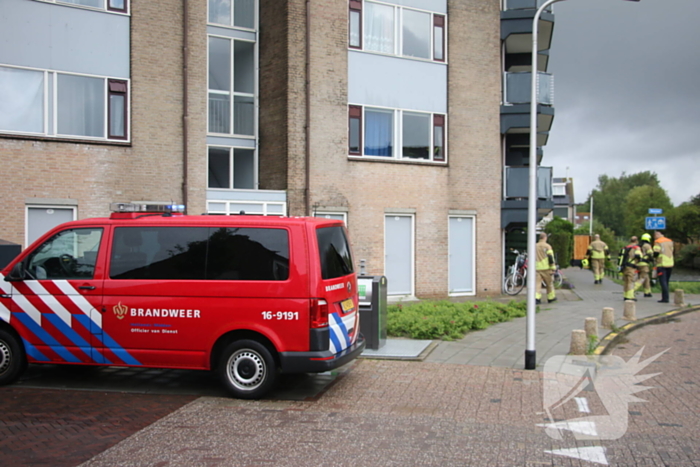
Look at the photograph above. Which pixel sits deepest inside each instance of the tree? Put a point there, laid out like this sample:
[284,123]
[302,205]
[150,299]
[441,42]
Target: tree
[637,204]
[610,195]
[561,237]
[683,222]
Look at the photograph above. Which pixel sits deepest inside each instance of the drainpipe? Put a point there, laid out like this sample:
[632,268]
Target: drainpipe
[185,103]
[307,92]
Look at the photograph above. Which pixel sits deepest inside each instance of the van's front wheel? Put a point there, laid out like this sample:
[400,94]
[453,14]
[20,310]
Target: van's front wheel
[247,369]
[12,358]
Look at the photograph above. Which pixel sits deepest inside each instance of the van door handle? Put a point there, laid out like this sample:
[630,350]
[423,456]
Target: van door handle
[87,287]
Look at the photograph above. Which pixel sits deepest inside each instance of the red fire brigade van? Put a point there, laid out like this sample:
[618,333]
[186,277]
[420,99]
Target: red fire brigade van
[247,296]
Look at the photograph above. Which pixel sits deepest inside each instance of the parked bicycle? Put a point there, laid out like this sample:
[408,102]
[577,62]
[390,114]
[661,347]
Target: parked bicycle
[516,279]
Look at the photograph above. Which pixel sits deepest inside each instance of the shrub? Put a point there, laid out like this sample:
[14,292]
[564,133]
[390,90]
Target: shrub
[448,320]
[688,255]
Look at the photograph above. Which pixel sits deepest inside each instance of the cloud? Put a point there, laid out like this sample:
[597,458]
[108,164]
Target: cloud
[626,93]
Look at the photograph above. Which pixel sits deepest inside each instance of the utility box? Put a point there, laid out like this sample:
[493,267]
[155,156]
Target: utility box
[373,310]
[8,252]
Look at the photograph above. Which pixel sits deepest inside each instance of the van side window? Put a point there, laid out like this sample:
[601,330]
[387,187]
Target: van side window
[199,253]
[70,254]
[248,254]
[334,252]
[158,253]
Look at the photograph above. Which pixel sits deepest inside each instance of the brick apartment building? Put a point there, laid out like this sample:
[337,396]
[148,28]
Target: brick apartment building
[402,117]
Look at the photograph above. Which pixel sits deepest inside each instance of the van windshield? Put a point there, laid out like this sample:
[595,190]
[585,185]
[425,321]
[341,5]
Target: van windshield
[334,252]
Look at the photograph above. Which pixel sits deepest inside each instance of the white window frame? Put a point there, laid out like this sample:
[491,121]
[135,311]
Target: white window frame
[397,136]
[229,211]
[232,94]
[231,168]
[50,102]
[326,214]
[398,33]
[105,9]
[256,13]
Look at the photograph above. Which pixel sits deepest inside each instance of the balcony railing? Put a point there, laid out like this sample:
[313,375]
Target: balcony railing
[525,5]
[517,182]
[517,88]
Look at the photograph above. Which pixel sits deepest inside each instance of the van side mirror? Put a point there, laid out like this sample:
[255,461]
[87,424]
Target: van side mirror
[18,273]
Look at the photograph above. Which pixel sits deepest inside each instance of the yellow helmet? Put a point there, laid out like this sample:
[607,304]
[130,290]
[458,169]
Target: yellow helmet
[646,237]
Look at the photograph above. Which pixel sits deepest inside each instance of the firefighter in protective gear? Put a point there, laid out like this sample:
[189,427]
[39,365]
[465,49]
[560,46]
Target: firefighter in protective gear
[663,252]
[645,264]
[598,252]
[632,256]
[545,267]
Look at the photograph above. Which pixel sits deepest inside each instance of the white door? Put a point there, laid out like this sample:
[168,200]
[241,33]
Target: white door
[41,219]
[461,262]
[398,254]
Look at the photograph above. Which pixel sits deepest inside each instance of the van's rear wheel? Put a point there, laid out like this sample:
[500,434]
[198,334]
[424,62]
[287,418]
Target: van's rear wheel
[12,358]
[247,369]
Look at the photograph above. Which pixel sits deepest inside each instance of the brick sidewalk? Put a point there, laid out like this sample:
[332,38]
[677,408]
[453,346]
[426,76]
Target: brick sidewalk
[433,414]
[64,428]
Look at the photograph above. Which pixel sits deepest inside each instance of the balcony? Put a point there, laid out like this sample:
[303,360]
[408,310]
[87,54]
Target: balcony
[526,5]
[516,192]
[517,88]
[516,32]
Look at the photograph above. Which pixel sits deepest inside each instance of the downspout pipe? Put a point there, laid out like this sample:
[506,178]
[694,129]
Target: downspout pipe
[185,99]
[307,123]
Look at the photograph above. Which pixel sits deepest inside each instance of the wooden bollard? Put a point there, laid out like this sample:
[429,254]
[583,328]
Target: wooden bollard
[678,298]
[630,313]
[591,327]
[578,342]
[608,318]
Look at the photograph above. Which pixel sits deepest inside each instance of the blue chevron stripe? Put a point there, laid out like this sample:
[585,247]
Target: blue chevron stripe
[34,352]
[46,338]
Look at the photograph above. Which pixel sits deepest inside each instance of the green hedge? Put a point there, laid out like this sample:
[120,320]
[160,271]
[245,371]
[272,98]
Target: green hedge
[448,320]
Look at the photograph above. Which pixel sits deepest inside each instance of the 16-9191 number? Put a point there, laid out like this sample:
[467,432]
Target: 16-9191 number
[281,315]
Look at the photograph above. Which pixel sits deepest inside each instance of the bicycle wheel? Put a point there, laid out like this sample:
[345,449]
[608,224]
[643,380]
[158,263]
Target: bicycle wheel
[514,283]
[557,279]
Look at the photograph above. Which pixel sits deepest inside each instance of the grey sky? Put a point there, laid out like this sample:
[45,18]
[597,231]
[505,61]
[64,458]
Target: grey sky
[626,93]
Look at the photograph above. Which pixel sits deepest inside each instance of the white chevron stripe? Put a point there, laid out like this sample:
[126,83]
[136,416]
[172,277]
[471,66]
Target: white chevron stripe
[26,306]
[4,313]
[6,287]
[80,301]
[50,301]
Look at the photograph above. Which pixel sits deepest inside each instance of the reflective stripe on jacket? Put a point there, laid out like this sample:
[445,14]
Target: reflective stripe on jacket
[647,255]
[664,247]
[598,250]
[545,256]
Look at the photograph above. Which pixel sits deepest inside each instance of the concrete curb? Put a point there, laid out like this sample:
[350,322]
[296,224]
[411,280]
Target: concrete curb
[613,338]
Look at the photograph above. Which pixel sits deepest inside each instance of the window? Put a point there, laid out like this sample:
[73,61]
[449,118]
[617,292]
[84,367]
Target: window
[118,6]
[232,13]
[82,106]
[200,253]
[231,168]
[355,26]
[396,30]
[117,109]
[334,252]
[70,254]
[231,86]
[373,133]
[559,190]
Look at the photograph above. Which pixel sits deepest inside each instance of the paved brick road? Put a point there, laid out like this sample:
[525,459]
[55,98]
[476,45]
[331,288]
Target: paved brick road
[64,428]
[386,413]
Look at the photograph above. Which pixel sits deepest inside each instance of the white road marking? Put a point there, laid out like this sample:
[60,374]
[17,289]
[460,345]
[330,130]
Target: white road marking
[594,454]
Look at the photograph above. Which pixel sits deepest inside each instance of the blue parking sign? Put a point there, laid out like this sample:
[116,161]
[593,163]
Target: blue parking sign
[655,223]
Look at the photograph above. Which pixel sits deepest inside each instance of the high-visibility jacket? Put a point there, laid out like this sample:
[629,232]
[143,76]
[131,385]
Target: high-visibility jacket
[598,250]
[663,251]
[647,255]
[545,256]
[633,255]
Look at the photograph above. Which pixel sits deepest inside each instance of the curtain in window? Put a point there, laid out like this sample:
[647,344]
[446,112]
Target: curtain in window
[379,28]
[21,100]
[81,106]
[378,132]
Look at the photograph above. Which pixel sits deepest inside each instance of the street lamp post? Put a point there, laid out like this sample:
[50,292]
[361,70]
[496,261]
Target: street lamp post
[530,356]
